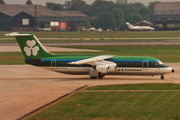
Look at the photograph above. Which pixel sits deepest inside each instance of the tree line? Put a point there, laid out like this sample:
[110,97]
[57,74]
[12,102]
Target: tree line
[105,14]
[108,14]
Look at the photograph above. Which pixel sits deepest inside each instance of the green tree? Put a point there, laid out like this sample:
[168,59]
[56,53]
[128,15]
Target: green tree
[29,2]
[74,26]
[94,21]
[151,5]
[144,12]
[67,5]
[87,24]
[151,9]
[129,9]
[134,18]
[81,24]
[119,16]
[104,20]
[81,6]
[2,2]
[54,6]
[122,1]
[139,5]
[100,6]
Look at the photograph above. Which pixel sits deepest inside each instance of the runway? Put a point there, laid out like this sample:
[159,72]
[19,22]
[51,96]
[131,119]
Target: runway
[123,42]
[24,88]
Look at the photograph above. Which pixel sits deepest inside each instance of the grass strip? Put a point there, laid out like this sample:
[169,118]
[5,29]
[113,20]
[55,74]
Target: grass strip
[154,105]
[103,34]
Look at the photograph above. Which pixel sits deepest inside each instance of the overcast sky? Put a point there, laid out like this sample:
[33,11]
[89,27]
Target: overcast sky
[43,2]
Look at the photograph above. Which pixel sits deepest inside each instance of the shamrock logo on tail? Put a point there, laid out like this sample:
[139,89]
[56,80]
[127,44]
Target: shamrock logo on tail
[31,48]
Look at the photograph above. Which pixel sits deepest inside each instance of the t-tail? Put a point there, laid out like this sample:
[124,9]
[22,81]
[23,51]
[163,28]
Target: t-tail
[30,45]
[129,25]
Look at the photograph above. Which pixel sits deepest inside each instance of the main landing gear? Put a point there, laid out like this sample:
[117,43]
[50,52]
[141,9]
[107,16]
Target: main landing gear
[94,74]
[162,77]
[100,76]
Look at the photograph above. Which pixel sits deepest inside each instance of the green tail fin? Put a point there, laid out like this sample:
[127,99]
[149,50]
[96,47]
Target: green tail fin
[30,45]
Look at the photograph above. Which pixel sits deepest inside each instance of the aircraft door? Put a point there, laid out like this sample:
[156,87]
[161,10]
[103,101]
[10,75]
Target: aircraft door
[145,64]
[53,64]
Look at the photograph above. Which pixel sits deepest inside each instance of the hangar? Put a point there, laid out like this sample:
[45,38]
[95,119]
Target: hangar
[144,23]
[167,16]
[30,17]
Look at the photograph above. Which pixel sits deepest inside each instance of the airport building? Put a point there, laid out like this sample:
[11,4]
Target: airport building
[167,16]
[144,23]
[31,17]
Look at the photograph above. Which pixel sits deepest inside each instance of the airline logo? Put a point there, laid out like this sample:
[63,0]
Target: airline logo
[31,49]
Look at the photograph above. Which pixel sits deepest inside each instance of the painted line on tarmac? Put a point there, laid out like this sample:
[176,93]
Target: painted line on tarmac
[10,87]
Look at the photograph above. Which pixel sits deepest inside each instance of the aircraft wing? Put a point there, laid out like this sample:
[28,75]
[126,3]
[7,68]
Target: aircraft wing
[92,60]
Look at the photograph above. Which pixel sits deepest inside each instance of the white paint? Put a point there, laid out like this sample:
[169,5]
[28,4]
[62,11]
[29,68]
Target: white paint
[31,47]
[83,70]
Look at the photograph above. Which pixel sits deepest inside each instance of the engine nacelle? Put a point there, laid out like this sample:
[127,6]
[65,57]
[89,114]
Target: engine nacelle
[102,68]
[112,67]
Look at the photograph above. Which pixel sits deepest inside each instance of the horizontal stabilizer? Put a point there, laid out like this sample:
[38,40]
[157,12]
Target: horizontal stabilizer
[17,34]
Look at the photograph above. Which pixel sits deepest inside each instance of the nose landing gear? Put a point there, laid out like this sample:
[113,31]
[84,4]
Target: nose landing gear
[162,77]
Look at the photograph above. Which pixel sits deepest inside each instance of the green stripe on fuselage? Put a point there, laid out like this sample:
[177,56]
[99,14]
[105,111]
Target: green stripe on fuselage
[121,61]
[114,57]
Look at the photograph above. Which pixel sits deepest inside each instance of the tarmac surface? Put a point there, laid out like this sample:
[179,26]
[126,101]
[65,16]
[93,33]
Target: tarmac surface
[12,48]
[24,88]
[124,42]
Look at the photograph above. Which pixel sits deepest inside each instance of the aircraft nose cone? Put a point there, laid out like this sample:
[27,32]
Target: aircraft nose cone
[173,70]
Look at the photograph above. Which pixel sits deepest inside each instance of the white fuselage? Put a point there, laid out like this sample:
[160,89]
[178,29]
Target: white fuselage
[139,28]
[119,70]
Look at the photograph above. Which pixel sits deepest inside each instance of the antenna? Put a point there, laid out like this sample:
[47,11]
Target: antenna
[35,21]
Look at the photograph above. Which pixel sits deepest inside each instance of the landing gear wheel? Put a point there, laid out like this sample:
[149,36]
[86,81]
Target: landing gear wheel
[162,77]
[100,76]
[93,77]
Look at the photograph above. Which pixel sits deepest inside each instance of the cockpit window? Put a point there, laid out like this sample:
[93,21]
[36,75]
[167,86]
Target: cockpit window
[160,62]
[157,63]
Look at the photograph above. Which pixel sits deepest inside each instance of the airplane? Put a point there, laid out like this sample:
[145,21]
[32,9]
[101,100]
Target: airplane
[139,28]
[96,66]
[92,29]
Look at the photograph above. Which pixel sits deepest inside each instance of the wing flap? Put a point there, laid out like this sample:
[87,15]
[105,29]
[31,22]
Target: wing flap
[91,60]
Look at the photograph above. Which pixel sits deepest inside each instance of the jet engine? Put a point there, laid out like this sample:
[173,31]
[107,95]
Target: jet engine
[112,67]
[105,66]
[102,68]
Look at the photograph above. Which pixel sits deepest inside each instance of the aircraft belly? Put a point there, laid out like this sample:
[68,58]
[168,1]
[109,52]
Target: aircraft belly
[72,70]
[119,70]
